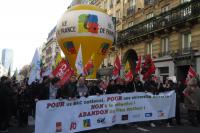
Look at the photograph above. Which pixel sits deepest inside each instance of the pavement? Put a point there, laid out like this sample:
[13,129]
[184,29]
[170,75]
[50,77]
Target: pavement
[186,128]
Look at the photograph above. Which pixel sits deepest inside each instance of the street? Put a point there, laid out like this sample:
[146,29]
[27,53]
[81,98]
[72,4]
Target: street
[186,128]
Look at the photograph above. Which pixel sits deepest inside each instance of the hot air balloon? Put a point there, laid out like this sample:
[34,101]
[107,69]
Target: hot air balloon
[89,27]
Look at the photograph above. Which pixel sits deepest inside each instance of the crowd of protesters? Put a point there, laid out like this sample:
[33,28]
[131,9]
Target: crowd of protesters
[18,99]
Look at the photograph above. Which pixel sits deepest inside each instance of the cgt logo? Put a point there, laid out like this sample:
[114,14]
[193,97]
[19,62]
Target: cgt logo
[161,113]
[148,114]
[73,126]
[86,123]
[101,120]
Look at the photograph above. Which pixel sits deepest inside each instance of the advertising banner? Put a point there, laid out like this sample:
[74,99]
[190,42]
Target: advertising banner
[62,116]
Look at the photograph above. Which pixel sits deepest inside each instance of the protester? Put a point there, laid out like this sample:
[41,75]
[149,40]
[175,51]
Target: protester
[111,89]
[137,84]
[44,88]
[150,85]
[68,90]
[82,89]
[23,105]
[168,86]
[94,89]
[192,101]
[53,88]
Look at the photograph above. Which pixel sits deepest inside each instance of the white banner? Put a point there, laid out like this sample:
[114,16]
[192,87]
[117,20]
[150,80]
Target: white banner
[62,116]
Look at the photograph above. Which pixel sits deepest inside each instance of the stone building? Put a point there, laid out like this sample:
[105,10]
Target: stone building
[168,30]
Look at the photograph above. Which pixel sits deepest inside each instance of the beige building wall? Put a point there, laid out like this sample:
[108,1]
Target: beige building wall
[142,12]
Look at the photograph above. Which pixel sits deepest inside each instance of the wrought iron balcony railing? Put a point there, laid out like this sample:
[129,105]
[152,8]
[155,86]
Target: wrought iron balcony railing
[165,53]
[178,15]
[185,51]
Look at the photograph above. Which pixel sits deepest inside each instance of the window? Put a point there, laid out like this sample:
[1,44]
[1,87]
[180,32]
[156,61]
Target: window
[149,2]
[165,44]
[165,9]
[183,1]
[149,49]
[150,15]
[149,24]
[130,24]
[131,3]
[164,73]
[186,40]
[118,15]
[105,5]
[111,4]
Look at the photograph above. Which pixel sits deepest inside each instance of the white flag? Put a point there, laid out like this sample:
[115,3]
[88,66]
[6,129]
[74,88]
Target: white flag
[35,68]
[79,61]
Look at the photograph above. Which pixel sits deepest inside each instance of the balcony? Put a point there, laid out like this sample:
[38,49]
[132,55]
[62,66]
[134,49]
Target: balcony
[179,15]
[185,51]
[131,11]
[165,53]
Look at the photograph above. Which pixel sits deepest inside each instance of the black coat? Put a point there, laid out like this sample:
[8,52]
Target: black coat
[94,90]
[111,89]
[150,86]
[5,101]
[44,91]
[139,86]
[68,90]
[24,101]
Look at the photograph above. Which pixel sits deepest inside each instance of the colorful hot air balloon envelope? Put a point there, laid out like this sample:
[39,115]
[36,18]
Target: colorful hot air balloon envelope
[90,27]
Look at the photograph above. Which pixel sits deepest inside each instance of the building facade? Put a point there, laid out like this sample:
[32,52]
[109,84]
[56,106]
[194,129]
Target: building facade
[168,30]
[7,59]
[50,49]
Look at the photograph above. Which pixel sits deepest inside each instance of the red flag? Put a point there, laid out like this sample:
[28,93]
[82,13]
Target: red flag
[149,67]
[138,67]
[117,68]
[191,73]
[117,63]
[63,71]
[129,75]
[88,69]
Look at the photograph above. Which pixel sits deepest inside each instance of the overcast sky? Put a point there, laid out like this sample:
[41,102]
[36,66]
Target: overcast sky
[25,24]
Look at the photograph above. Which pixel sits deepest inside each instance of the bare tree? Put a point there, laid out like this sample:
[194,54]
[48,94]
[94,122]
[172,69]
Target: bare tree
[25,70]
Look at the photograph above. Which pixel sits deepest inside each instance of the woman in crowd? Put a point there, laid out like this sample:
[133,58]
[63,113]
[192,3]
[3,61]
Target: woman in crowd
[192,101]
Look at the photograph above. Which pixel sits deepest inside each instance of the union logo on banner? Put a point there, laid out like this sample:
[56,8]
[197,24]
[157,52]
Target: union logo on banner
[58,127]
[86,123]
[73,126]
